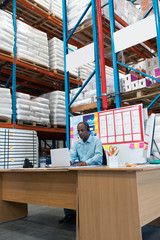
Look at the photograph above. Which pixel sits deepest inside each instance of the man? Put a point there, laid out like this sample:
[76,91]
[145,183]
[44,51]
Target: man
[88,150]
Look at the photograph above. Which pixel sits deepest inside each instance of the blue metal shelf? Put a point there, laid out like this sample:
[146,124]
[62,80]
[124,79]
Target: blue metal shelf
[66,38]
[114,55]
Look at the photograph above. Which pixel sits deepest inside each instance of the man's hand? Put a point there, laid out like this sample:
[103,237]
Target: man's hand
[81,164]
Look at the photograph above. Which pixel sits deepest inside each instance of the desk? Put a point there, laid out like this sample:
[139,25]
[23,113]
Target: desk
[111,204]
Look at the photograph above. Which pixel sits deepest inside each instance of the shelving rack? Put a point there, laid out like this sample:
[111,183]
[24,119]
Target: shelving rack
[34,78]
[133,54]
[116,63]
[66,37]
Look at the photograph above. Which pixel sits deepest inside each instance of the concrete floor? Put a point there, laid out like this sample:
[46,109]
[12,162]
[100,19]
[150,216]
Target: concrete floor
[43,224]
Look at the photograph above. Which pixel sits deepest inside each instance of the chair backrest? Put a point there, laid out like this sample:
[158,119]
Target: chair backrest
[104,161]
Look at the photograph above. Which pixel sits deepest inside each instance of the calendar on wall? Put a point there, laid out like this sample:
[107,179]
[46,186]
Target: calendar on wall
[122,125]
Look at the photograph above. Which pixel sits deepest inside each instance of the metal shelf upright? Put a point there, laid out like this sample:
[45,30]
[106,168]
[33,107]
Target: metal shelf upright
[14,67]
[114,54]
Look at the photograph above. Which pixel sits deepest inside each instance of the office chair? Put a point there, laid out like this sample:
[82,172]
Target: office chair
[104,161]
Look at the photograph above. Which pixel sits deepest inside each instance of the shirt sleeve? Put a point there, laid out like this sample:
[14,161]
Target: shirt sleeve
[73,153]
[97,158]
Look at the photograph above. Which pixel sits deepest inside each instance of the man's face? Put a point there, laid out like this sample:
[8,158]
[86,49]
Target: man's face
[82,131]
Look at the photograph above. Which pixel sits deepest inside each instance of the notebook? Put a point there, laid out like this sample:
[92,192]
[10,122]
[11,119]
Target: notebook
[60,157]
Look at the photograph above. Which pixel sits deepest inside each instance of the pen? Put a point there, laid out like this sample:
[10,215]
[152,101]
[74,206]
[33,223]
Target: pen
[131,165]
[117,153]
[108,154]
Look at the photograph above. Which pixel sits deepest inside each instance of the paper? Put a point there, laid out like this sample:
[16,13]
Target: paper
[122,125]
[103,139]
[131,146]
[105,147]
[127,122]
[141,145]
[103,129]
[110,125]
[108,147]
[135,121]
[136,145]
[118,123]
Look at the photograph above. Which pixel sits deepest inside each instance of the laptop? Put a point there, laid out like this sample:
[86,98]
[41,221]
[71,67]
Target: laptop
[60,157]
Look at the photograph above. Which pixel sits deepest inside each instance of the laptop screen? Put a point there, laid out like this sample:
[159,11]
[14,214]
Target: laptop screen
[60,157]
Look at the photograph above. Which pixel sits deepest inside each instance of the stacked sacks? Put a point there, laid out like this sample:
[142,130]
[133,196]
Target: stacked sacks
[40,110]
[125,9]
[6,31]
[5,103]
[57,107]
[56,55]
[75,9]
[32,44]
[56,8]
[23,103]
[44,3]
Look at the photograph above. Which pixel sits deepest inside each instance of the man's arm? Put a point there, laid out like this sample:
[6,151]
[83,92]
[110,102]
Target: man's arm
[97,158]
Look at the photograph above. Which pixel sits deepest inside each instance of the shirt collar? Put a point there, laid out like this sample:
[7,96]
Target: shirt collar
[88,140]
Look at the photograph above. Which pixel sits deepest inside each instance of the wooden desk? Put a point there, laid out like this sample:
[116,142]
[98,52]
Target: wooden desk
[37,186]
[111,204]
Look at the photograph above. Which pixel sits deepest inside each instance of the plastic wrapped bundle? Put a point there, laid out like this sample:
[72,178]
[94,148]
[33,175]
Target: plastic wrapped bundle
[57,107]
[23,103]
[56,8]
[40,110]
[32,44]
[44,3]
[5,103]
[6,31]
[75,9]
[56,55]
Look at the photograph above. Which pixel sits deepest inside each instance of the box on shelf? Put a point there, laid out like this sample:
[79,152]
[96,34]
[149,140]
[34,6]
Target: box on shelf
[135,85]
[144,82]
[130,78]
[157,72]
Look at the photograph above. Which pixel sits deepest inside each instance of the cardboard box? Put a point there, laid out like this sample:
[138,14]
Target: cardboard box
[144,82]
[130,78]
[135,85]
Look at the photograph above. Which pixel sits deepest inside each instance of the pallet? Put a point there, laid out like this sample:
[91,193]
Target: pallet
[51,27]
[5,120]
[6,53]
[26,123]
[27,61]
[43,125]
[39,6]
[58,126]
[85,108]
[55,17]
[57,71]
[144,95]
